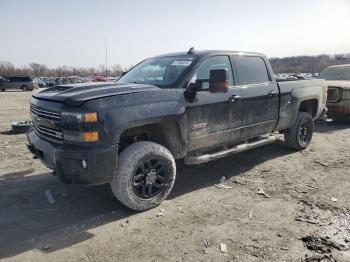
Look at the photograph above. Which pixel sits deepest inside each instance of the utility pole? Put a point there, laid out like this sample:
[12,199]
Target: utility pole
[106,74]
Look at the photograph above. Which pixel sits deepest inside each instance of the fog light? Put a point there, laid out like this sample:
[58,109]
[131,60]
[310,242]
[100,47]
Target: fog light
[83,163]
[91,136]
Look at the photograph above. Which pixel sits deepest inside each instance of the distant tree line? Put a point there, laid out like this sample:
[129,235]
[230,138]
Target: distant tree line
[307,64]
[41,70]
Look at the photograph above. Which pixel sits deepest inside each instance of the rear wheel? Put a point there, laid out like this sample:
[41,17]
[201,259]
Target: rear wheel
[24,88]
[145,175]
[300,134]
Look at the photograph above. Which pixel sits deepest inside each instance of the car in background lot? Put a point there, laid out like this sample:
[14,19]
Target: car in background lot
[112,79]
[39,82]
[68,80]
[338,100]
[75,80]
[49,81]
[25,83]
[99,79]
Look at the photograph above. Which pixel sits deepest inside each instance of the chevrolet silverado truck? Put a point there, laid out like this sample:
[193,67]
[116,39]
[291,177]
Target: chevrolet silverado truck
[338,99]
[197,106]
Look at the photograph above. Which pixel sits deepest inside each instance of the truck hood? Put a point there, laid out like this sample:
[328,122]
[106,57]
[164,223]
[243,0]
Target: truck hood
[76,94]
[342,84]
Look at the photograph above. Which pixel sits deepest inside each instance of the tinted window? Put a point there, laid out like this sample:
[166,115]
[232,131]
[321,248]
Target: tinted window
[216,62]
[251,70]
[20,79]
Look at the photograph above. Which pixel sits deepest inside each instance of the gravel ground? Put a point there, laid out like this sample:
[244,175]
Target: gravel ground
[304,214]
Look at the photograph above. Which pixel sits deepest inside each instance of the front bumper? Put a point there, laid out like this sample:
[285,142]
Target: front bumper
[341,109]
[324,113]
[67,162]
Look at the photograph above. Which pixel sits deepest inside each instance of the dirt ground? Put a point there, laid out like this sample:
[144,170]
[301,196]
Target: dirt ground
[304,215]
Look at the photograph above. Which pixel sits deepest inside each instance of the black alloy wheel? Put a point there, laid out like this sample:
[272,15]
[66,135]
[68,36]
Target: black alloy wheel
[150,178]
[305,133]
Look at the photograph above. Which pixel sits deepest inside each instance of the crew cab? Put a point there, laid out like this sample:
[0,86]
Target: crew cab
[197,106]
[338,99]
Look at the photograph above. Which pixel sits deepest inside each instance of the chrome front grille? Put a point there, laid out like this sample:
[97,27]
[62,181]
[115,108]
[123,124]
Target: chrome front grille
[48,132]
[44,113]
[46,123]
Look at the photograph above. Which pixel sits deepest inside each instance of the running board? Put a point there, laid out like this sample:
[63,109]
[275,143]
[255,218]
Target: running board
[195,160]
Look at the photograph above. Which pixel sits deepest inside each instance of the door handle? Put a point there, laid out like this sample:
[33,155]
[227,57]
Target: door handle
[272,93]
[235,98]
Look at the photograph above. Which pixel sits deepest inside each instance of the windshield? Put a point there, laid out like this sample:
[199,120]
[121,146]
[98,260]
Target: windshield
[160,71]
[336,73]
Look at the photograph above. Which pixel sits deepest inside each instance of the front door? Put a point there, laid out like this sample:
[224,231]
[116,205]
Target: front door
[209,113]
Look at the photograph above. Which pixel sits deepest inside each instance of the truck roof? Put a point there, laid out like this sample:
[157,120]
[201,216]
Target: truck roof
[208,52]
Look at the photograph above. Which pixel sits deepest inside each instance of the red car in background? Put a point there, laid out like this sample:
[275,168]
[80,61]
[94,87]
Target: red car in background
[99,79]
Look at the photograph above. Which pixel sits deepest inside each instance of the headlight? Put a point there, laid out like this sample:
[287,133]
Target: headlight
[79,127]
[69,117]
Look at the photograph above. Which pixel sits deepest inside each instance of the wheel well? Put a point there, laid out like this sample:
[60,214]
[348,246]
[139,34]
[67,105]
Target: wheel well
[166,134]
[309,106]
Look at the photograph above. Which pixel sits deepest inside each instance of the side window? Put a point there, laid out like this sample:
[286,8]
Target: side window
[251,70]
[216,62]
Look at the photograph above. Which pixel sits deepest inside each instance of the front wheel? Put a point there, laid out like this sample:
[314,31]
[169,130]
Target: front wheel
[300,134]
[145,175]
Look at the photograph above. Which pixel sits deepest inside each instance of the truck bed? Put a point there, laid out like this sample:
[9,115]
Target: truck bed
[293,93]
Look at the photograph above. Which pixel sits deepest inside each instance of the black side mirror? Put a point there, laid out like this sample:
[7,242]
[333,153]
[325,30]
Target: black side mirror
[124,73]
[194,87]
[218,81]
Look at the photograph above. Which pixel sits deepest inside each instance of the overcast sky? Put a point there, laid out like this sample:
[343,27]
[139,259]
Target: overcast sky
[73,32]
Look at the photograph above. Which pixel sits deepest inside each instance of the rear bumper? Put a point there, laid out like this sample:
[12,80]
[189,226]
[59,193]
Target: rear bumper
[68,162]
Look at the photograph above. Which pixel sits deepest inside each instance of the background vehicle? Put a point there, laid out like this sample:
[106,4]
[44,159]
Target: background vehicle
[49,81]
[338,101]
[39,82]
[99,79]
[196,106]
[25,83]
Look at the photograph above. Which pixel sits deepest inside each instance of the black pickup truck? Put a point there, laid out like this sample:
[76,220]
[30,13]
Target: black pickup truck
[195,105]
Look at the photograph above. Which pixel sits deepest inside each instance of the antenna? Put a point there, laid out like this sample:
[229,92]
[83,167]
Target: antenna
[106,60]
[190,51]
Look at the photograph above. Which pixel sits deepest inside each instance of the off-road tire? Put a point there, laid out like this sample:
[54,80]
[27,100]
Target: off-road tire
[21,127]
[127,165]
[24,88]
[292,135]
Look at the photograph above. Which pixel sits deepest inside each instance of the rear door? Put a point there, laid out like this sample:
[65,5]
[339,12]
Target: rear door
[209,113]
[260,96]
